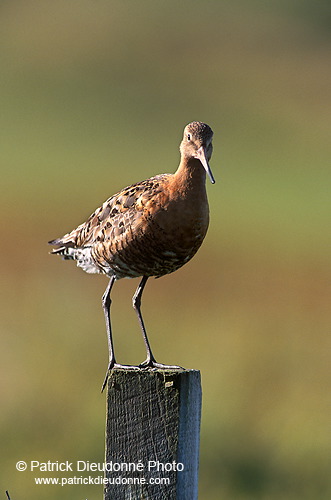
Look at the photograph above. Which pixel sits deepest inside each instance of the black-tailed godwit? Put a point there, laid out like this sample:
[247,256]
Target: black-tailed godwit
[151,228]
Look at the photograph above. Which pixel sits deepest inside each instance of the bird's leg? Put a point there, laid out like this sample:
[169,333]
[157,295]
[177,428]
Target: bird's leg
[136,301]
[106,301]
[150,361]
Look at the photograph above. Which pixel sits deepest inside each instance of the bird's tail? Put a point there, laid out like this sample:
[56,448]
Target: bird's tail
[65,252]
[65,249]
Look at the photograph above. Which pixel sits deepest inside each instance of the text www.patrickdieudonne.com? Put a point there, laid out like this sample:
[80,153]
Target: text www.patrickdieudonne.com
[66,481]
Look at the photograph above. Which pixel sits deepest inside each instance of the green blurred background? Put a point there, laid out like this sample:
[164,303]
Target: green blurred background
[94,96]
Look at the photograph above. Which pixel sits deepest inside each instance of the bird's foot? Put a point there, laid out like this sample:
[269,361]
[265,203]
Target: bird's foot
[112,366]
[153,365]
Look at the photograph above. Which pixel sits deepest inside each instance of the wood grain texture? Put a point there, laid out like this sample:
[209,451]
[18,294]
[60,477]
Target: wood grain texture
[153,419]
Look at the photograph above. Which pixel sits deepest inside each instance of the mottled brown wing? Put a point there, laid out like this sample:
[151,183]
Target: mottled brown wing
[115,218]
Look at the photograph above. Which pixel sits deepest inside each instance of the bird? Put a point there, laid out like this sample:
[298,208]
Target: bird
[148,229]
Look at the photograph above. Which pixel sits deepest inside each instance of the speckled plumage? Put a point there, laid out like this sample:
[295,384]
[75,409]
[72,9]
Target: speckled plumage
[150,228]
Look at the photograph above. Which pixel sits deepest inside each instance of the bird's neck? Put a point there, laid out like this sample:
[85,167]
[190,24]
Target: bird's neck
[190,175]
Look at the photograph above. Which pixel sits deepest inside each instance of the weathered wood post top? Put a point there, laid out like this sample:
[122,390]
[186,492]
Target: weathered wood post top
[152,435]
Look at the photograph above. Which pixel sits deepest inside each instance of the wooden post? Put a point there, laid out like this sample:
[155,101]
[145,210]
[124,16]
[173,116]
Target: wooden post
[152,435]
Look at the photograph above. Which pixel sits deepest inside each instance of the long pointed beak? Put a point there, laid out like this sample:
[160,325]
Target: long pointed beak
[201,155]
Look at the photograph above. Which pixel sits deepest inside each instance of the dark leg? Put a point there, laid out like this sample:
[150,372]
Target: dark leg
[106,302]
[136,301]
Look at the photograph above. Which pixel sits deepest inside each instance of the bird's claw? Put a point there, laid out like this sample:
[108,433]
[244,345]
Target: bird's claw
[153,365]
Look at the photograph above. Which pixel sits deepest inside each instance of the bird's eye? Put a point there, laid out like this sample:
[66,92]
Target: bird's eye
[188,137]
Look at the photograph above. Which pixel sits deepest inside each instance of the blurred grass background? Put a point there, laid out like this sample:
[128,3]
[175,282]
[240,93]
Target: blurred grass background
[94,96]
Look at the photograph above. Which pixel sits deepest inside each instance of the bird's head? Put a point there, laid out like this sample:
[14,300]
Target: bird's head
[197,143]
